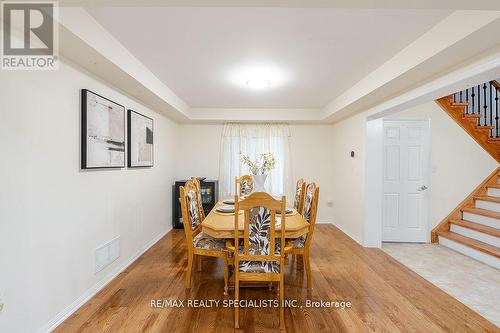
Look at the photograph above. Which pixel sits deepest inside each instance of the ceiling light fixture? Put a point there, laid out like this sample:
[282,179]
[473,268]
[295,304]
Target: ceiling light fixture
[258,83]
[258,77]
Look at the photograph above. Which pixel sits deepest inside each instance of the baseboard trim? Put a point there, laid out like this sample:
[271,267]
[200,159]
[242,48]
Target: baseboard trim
[70,309]
[351,236]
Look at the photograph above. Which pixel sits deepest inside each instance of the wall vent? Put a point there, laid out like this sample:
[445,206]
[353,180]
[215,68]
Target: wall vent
[106,254]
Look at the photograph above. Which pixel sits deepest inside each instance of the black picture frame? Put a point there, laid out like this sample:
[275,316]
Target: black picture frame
[130,159]
[84,132]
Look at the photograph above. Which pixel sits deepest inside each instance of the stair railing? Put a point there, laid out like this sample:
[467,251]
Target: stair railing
[482,101]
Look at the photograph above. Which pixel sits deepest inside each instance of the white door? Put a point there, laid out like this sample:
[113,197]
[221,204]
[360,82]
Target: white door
[405,197]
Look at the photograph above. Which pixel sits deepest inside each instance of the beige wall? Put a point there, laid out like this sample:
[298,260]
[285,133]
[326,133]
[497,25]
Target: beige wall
[52,215]
[457,163]
[310,152]
[348,175]
[199,148]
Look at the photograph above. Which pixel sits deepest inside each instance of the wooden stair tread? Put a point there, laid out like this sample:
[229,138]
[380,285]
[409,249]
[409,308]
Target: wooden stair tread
[482,212]
[487,198]
[472,243]
[477,227]
[469,122]
[485,128]
[459,103]
[494,185]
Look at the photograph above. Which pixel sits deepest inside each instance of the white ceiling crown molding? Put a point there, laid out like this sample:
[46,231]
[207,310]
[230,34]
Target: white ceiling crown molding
[210,115]
[476,72]
[368,4]
[456,27]
[437,52]
[85,42]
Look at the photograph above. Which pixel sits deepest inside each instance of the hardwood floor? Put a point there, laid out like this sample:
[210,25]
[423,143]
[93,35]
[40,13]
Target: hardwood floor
[385,295]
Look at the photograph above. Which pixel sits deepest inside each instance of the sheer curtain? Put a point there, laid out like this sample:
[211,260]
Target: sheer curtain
[253,140]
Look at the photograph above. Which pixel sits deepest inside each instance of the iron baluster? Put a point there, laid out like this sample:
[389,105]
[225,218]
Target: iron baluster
[479,104]
[467,100]
[473,100]
[491,110]
[496,110]
[485,106]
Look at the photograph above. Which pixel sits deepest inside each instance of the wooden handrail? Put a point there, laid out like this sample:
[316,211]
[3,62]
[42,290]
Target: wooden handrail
[495,84]
[470,124]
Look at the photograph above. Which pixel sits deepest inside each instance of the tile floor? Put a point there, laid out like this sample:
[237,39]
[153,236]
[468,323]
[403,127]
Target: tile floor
[471,282]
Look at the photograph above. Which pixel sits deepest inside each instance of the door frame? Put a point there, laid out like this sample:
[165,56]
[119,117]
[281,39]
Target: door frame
[374,189]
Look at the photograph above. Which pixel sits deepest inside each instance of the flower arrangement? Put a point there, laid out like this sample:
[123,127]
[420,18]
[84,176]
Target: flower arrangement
[262,165]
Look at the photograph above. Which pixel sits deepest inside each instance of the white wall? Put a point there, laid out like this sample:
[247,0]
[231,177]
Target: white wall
[52,215]
[457,163]
[348,175]
[310,152]
[198,149]
[312,160]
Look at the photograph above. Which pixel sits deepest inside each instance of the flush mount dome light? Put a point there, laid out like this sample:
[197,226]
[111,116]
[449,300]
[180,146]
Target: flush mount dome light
[258,83]
[258,77]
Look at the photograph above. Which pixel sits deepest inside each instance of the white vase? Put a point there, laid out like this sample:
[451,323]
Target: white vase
[259,181]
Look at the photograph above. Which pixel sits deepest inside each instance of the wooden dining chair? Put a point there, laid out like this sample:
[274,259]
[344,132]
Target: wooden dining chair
[259,256]
[300,190]
[198,243]
[244,185]
[196,182]
[302,245]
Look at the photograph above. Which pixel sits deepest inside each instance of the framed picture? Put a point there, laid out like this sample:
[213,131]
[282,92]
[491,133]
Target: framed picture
[140,140]
[103,132]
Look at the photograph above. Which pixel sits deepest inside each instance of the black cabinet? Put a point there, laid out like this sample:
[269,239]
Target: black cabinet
[209,197]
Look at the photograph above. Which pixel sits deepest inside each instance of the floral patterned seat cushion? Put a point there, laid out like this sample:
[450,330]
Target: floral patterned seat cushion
[298,193]
[300,242]
[246,187]
[193,208]
[277,247]
[206,242]
[259,266]
[308,203]
[259,243]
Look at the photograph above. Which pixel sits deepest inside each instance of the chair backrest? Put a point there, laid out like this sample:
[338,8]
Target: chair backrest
[191,218]
[196,182]
[310,208]
[300,190]
[244,185]
[259,228]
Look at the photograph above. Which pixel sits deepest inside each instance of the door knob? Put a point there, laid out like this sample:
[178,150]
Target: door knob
[422,188]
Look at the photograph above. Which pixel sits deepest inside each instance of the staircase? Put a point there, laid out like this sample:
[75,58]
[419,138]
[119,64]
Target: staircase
[476,110]
[473,227]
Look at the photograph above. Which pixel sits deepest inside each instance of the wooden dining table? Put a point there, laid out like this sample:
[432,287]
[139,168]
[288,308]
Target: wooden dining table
[221,225]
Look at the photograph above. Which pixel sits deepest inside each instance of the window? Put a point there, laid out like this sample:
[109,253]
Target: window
[253,140]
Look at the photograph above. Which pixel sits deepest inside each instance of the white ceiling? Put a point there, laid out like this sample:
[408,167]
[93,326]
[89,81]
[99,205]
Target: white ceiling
[323,51]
